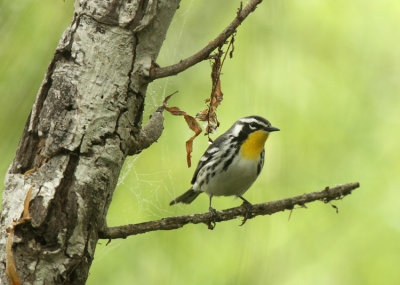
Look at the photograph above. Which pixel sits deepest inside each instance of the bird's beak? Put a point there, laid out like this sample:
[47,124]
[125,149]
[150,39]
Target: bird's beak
[272,129]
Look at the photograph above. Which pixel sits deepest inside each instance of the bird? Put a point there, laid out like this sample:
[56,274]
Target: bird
[231,164]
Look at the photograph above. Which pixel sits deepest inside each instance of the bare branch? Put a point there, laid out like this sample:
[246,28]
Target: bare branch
[149,134]
[268,208]
[160,72]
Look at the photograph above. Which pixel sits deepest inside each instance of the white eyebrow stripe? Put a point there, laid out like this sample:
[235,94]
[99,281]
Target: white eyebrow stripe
[252,120]
[248,120]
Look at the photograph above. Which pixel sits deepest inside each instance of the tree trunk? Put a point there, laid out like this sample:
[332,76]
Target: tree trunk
[86,119]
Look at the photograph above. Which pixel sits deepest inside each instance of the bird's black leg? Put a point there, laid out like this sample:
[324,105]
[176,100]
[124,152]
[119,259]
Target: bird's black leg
[249,210]
[213,213]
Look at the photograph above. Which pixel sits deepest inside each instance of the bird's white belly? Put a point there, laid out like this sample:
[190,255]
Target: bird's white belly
[239,176]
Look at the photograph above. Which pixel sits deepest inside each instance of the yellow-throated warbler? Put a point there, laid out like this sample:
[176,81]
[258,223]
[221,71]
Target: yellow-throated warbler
[231,163]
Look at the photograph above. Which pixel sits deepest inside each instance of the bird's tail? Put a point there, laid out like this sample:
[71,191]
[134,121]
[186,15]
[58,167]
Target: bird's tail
[186,197]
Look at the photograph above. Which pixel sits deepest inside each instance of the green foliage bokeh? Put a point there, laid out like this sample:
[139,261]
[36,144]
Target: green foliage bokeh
[325,72]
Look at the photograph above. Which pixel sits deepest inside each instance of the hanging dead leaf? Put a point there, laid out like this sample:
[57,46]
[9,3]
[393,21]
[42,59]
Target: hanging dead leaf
[194,126]
[202,116]
[209,114]
[191,122]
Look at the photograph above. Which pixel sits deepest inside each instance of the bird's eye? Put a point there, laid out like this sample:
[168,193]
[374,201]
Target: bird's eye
[253,126]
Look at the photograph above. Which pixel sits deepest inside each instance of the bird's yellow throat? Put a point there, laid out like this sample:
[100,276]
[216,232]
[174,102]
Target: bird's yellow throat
[253,145]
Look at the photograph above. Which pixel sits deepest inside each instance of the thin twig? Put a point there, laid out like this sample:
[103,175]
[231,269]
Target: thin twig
[268,208]
[226,53]
[204,53]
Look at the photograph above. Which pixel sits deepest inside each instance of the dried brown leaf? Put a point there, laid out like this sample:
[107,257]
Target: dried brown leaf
[189,149]
[217,96]
[202,116]
[216,99]
[194,126]
[191,122]
[176,111]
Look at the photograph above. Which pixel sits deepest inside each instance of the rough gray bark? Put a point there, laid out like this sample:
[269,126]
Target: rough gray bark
[86,119]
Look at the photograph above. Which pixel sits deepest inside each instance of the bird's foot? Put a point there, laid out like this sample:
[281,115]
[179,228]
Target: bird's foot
[249,211]
[213,217]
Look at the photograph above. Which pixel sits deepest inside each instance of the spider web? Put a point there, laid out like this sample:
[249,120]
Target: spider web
[146,186]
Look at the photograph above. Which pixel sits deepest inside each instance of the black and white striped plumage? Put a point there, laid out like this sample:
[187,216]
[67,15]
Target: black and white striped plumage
[232,162]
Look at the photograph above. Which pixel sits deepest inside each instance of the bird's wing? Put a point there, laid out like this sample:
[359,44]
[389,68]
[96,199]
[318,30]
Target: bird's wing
[207,156]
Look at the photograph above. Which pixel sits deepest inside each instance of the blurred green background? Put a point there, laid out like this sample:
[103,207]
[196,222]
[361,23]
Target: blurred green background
[325,72]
